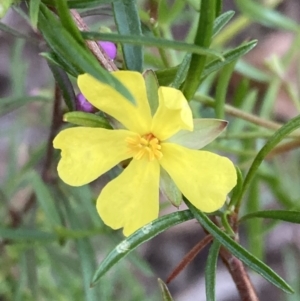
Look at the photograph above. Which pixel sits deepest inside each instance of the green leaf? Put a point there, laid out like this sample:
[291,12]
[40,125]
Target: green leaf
[139,237]
[31,269]
[128,23]
[278,136]
[205,131]
[255,235]
[181,71]
[22,234]
[85,252]
[88,3]
[169,189]
[210,271]
[65,86]
[238,251]
[229,56]
[67,21]
[283,215]
[9,104]
[152,89]
[221,21]
[81,3]
[71,52]
[203,39]
[165,291]
[237,189]
[150,41]
[34,7]
[17,34]
[44,198]
[166,76]
[252,72]
[266,16]
[222,88]
[53,59]
[4,6]
[87,119]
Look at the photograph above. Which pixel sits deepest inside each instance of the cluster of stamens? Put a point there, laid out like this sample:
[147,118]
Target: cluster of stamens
[146,145]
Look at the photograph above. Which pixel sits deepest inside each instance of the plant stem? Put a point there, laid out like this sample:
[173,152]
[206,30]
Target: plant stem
[268,124]
[95,48]
[239,276]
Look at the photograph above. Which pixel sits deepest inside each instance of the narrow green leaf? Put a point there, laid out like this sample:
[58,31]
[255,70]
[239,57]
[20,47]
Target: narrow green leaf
[182,71]
[283,215]
[34,7]
[152,89]
[9,104]
[221,21]
[222,88]
[166,76]
[68,67]
[21,284]
[81,3]
[251,72]
[87,261]
[87,119]
[65,86]
[266,16]
[178,74]
[169,189]
[238,251]
[229,57]
[237,189]
[278,136]
[165,291]
[44,198]
[17,34]
[85,252]
[67,21]
[255,235]
[203,39]
[139,237]
[128,23]
[22,234]
[31,269]
[150,41]
[71,52]
[210,271]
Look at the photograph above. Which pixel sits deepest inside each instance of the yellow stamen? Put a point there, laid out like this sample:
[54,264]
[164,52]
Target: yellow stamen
[144,146]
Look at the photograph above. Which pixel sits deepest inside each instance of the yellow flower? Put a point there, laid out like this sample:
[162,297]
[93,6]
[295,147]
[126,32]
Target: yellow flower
[153,142]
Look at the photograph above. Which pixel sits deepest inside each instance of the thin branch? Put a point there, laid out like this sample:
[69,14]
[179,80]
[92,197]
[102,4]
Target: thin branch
[239,275]
[268,124]
[95,48]
[189,257]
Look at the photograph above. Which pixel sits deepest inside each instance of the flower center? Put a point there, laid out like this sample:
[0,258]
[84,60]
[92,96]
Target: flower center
[144,146]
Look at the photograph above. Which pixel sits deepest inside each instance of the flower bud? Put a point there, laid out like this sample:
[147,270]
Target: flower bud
[83,105]
[110,48]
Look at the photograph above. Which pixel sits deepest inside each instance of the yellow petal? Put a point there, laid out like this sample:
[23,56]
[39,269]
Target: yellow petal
[172,115]
[87,153]
[203,177]
[107,99]
[131,199]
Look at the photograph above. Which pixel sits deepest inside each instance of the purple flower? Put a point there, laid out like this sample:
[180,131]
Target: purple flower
[83,105]
[110,48]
